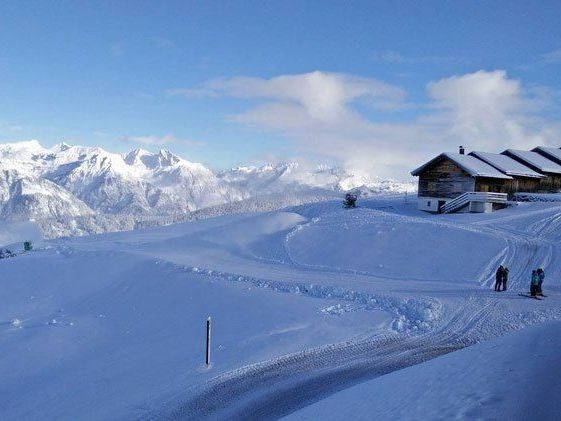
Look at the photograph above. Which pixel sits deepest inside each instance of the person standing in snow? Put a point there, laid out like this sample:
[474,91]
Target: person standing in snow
[499,278]
[534,283]
[505,278]
[541,276]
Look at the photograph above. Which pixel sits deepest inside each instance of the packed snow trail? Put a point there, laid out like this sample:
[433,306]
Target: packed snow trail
[279,387]
[276,389]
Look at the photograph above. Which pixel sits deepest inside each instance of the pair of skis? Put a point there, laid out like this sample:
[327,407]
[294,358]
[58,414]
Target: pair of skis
[533,296]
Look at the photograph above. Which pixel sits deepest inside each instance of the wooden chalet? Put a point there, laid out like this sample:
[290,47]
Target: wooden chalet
[449,176]
[482,181]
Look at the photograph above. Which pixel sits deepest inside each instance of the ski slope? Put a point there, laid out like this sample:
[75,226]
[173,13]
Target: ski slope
[307,304]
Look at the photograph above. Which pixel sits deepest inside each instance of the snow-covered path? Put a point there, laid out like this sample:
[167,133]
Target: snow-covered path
[278,387]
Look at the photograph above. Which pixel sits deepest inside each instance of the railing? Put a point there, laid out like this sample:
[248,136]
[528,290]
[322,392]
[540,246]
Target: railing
[462,200]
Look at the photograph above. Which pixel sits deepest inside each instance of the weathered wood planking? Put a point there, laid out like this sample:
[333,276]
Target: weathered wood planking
[551,183]
[445,179]
[518,184]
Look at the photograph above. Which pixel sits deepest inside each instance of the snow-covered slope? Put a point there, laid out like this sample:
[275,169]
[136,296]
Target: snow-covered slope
[312,307]
[95,190]
[306,303]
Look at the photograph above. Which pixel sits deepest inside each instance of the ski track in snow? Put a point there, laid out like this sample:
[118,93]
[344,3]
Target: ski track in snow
[275,388]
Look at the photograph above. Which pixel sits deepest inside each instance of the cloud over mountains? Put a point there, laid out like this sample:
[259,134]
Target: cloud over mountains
[345,117]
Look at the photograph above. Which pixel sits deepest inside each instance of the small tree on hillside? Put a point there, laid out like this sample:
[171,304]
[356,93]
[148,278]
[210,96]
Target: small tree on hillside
[350,200]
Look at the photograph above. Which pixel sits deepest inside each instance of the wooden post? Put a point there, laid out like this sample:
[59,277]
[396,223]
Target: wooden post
[208,341]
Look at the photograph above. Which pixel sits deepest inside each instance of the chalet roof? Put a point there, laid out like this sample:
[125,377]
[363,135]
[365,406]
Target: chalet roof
[470,164]
[554,153]
[507,165]
[535,160]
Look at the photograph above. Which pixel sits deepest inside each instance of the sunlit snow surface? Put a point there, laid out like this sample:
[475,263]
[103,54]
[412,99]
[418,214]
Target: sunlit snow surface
[311,307]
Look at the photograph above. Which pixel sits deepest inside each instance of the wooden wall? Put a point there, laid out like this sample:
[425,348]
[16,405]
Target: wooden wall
[551,183]
[518,184]
[445,179]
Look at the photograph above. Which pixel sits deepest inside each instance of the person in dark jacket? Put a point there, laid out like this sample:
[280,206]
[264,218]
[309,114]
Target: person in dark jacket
[541,278]
[499,278]
[534,283]
[505,278]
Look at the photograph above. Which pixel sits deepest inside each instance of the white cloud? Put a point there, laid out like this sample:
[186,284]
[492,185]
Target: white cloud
[153,140]
[552,56]
[322,95]
[316,111]
[485,110]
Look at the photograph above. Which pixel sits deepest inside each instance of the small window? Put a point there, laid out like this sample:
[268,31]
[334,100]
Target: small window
[428,204]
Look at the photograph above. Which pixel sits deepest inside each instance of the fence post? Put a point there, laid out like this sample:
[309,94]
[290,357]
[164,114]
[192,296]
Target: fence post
[208,341]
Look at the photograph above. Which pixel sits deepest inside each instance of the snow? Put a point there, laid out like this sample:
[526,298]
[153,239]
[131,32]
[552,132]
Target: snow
[538,197]
[536,160]
[470,164]
[314,309]
[506,164]
[512,377]
[133,325]
[553,152]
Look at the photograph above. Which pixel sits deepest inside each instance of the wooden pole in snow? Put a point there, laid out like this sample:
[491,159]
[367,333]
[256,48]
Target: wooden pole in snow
[208,341]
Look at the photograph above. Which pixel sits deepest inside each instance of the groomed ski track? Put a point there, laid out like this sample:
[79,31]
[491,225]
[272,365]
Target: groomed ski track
[275,388]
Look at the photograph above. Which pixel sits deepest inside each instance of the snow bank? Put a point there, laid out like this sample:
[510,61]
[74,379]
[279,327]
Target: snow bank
[537,197]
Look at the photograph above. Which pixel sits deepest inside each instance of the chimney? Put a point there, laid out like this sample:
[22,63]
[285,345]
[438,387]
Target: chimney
[462,150]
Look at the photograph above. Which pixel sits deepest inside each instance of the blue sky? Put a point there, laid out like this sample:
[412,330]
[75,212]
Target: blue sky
[372,85]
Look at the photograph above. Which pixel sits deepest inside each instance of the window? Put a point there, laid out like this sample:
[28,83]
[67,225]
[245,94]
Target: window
[428,203]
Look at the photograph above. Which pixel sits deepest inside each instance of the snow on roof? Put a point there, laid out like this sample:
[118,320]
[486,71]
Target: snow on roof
[470,164]
[506,164]
[540,162]
[550,152]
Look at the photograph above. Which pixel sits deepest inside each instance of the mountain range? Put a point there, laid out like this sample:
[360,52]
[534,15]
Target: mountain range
[77,190]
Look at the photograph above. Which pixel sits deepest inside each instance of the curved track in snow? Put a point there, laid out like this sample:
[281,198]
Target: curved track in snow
[276,388]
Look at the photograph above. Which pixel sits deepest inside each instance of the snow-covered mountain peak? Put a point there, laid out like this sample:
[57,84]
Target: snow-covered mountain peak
[60,147]
[138,157]
[21,150]
[71,181]
[155,164]
[167,159]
